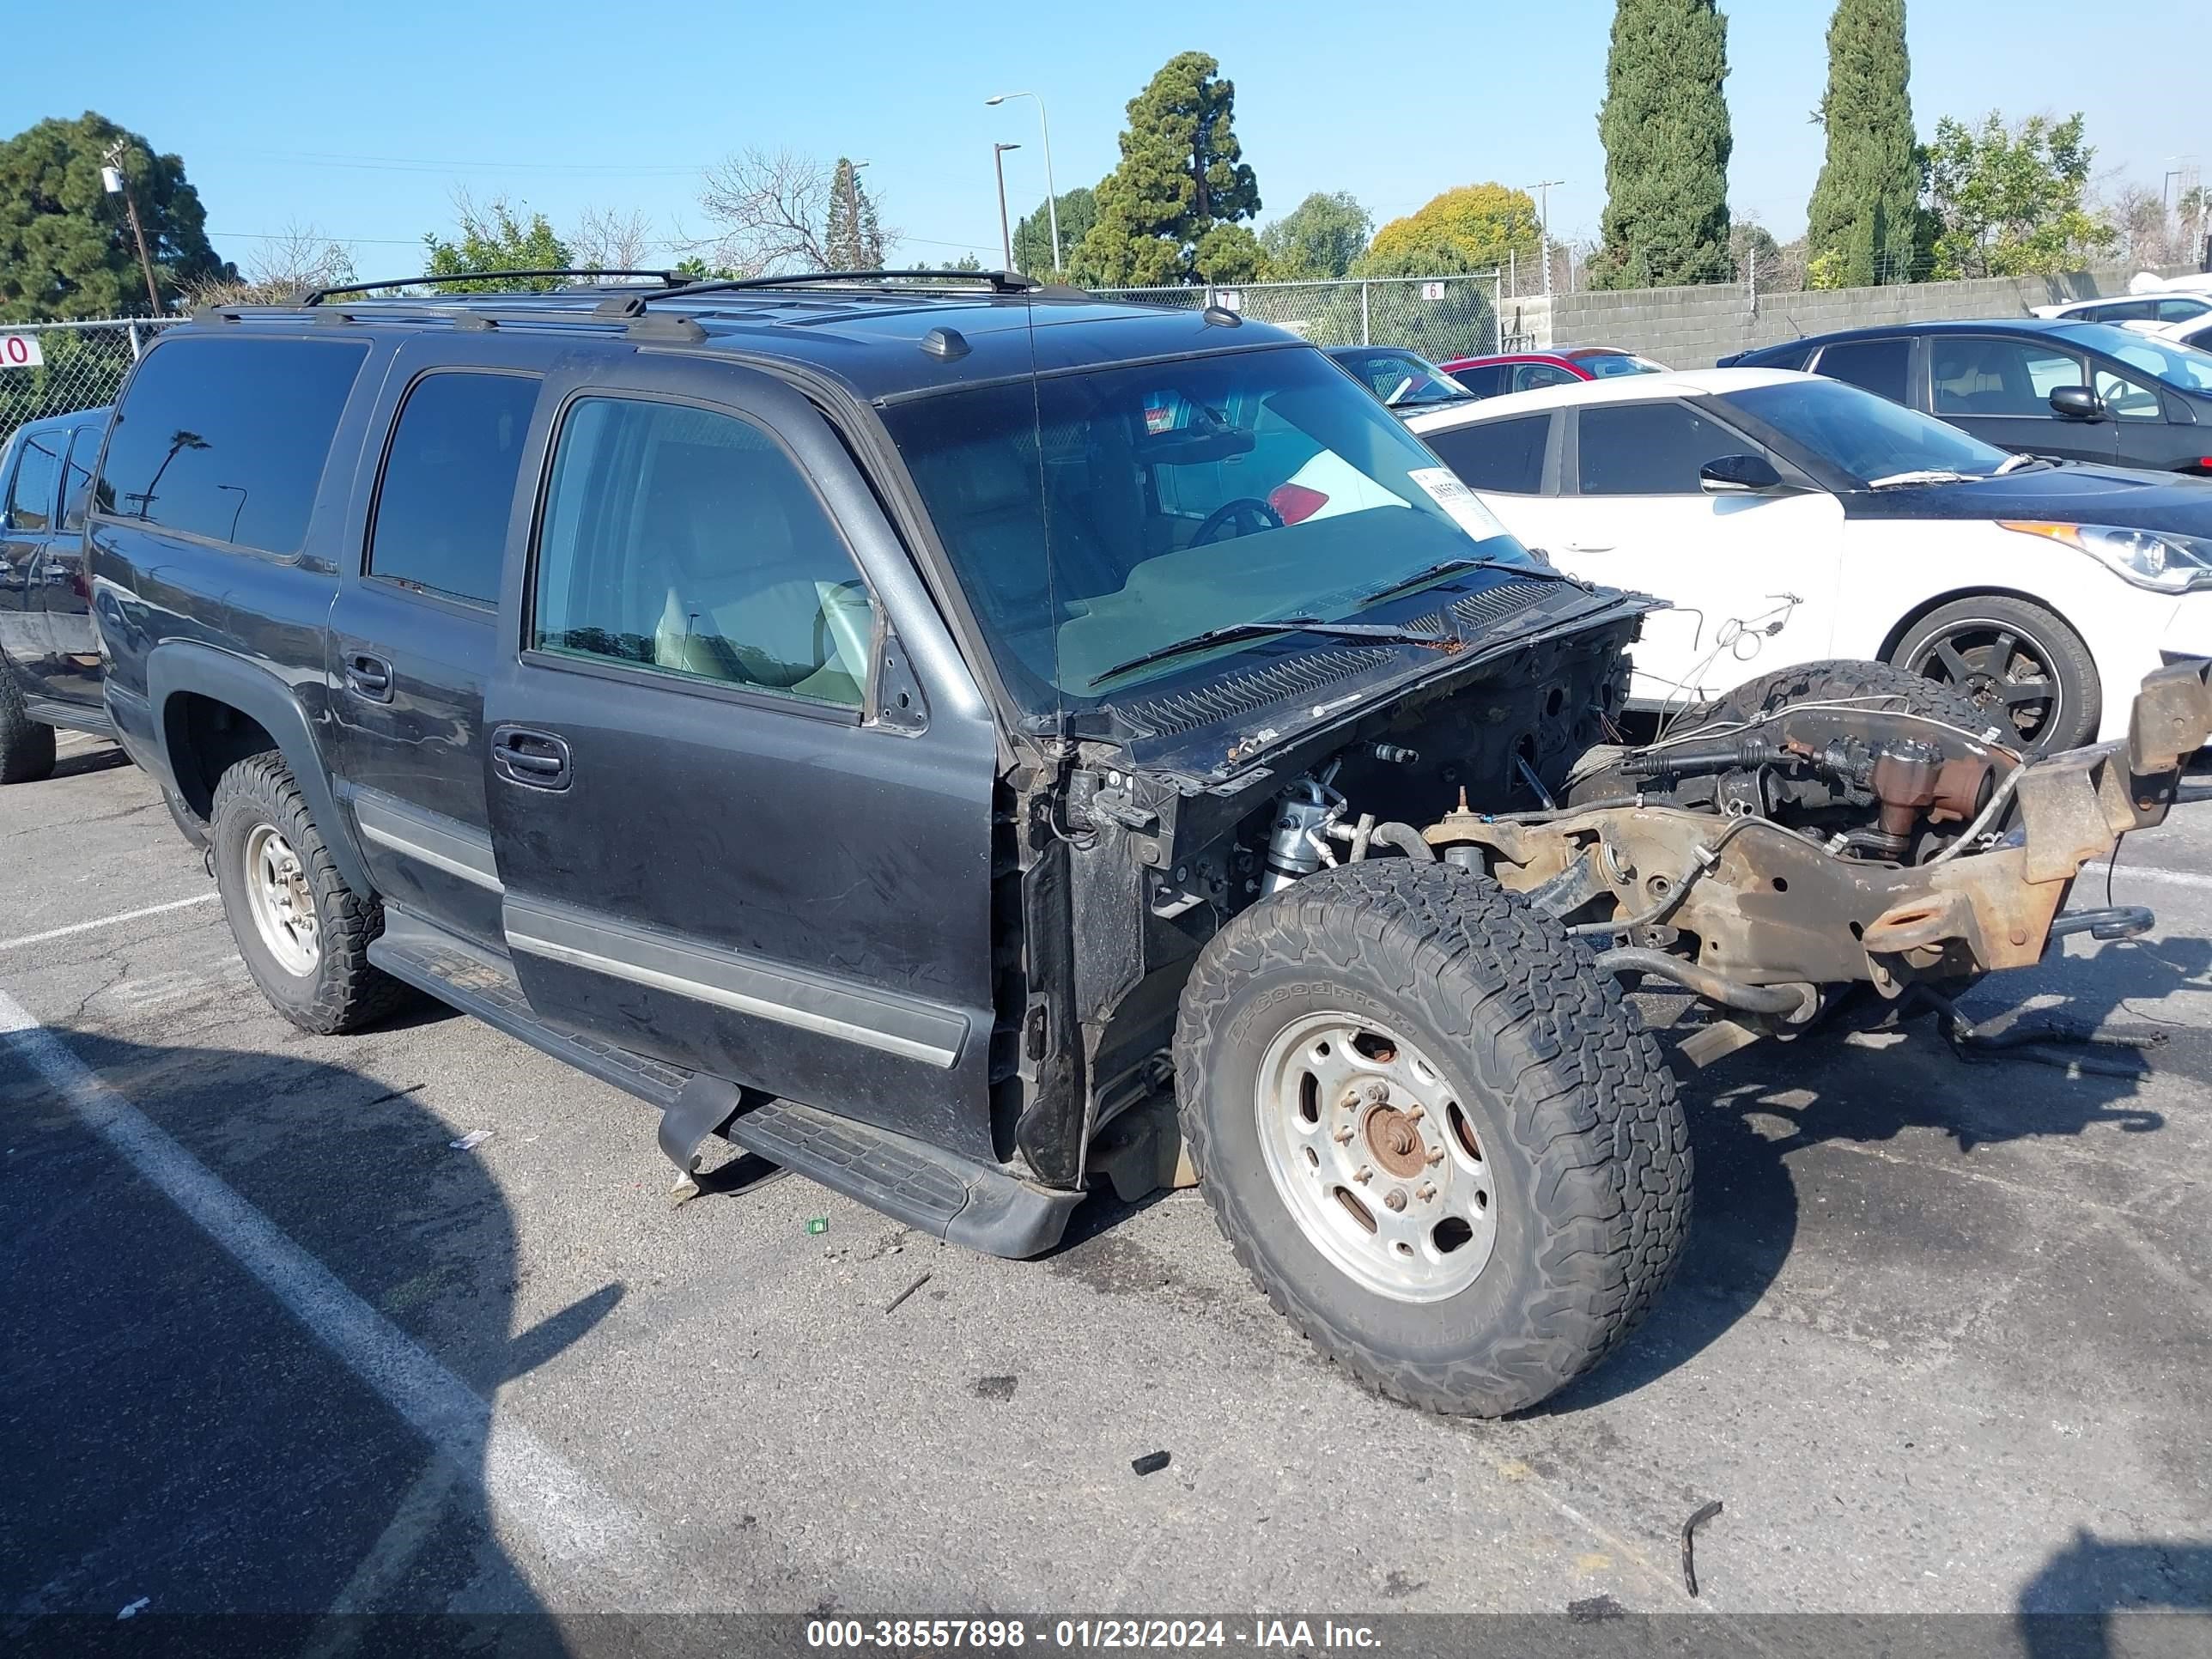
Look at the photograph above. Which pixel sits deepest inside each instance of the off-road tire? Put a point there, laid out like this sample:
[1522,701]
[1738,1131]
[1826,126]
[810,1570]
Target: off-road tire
[27,745]
[2066,660]
[1574,1108]
[343,993]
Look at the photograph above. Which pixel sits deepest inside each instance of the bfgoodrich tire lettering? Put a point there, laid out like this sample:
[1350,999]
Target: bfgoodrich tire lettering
[1574,1109]
[340,991]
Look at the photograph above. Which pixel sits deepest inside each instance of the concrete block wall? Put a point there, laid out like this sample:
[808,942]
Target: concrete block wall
[1691,327]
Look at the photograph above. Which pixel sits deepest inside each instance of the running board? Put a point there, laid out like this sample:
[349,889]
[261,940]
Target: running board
[943,1194]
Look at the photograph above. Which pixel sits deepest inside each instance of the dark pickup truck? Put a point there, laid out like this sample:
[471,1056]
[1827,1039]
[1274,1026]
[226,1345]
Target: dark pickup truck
[966,742]
[49,659]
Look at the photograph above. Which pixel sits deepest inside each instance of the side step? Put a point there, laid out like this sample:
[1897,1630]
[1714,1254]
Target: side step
[944,1195]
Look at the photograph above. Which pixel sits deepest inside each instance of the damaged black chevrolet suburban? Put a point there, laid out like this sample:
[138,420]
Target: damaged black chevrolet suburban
[934,732]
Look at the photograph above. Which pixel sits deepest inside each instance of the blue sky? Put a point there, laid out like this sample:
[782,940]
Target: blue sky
[362,122]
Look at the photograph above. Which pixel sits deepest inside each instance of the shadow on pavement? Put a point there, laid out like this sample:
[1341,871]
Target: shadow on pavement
[177,1443]
[2079,1605]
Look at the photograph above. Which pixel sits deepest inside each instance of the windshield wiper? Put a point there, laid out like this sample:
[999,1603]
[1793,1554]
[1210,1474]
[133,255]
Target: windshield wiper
[1923,476]
[1379,633]
[2013,463]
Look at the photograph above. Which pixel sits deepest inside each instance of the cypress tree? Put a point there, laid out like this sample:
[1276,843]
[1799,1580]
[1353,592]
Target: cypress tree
[1169,212]
[1864,212]
[1665,127]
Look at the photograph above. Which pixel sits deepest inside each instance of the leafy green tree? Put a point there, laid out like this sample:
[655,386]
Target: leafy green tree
[1079,212]
[2008,201]
[1318,239]
[965,262]
[1665,126]
[65,245]
[495,237]
[1182,175]
[1470,227]
[853,237]
[1864,221]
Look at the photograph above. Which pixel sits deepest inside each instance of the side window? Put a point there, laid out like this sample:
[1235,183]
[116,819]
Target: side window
[1648,449]
[2121,311]
[686,541]
[1526,377]
[228,438]
[38,475]
[2180,311]
[441,509]
[1486,381]
[2129,400]
[1878,366]
[1975,376]
[1505,456]
[76,477]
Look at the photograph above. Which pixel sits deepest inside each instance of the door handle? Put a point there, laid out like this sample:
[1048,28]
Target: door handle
[537,760]
[368,676]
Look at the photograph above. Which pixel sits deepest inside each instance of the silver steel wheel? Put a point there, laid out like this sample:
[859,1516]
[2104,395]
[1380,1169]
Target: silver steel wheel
[283,907]
[1374,1158]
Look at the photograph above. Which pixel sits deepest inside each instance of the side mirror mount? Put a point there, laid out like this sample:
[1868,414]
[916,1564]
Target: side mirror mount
[1738,475]
[2077,403]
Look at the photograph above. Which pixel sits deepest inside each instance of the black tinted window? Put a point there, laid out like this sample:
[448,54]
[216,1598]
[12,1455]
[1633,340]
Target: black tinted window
[228,438]
[38,475]
[1780,357]
[1649,449]
[685,541]
[1878,366]
[448,482]
[1501,455]
[77,480]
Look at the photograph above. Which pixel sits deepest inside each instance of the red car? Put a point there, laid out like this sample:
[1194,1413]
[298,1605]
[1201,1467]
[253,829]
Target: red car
[1525,371]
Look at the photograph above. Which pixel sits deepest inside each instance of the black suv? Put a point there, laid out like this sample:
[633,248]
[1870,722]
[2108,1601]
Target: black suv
[931,736]
[2083,392]
[49,661]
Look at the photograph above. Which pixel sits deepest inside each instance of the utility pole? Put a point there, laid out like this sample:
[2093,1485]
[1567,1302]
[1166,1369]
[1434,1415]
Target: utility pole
[1006,235]
[1543,189]
[112,177]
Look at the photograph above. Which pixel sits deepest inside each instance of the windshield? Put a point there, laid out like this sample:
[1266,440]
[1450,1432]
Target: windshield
[1865,437]
[1094,517]
[1604,365]
[1402,379]
[2180,365]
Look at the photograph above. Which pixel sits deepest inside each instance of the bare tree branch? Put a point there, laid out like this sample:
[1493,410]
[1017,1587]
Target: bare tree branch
[610,239]
[299,257]
[770,211]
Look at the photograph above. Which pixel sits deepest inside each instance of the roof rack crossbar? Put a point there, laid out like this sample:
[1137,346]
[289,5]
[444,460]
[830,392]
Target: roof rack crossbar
[668,279]
[999,282]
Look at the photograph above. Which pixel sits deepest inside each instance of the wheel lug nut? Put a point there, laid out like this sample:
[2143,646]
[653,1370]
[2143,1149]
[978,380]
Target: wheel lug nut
[1350,1101]
[1424,1191]
[1396,1200]
[1344,1134]
[1363,1175]
[1436,1156]
[1378,1092]
[1415,1114]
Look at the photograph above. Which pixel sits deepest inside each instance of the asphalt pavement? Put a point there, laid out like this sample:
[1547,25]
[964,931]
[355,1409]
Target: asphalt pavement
[273,1338]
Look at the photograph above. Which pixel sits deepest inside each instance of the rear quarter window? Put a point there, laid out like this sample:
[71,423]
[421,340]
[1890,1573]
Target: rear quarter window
[227,439]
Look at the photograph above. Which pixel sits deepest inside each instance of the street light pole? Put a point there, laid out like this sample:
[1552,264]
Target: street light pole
[1051,192]
[1005,236]
[1543,189]
[113,177]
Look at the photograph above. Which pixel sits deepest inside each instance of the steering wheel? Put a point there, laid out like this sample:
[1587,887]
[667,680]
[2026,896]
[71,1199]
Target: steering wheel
[1246,510]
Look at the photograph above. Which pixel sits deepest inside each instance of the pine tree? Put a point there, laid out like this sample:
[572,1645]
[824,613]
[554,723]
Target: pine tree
[1181,185]
[852,237]
[1665,127]
[1865,208]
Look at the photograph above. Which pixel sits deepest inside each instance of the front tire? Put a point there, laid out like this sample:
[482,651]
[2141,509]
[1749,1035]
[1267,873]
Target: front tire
[27,745]
[303,932]
[2022,667]
[1549,1137]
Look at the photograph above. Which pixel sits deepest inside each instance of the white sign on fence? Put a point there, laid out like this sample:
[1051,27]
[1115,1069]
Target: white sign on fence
[20,351]
[1433,290]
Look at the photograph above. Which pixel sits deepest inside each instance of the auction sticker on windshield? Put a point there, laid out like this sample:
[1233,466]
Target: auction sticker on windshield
[1465,506]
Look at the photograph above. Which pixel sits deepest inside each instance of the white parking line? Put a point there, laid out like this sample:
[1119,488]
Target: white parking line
[108,921]
[2147,873]
[528,1485]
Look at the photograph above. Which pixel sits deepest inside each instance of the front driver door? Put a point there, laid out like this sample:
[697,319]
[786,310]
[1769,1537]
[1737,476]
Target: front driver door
[717,848]
[28,494]
[1750,579]
[1998,388]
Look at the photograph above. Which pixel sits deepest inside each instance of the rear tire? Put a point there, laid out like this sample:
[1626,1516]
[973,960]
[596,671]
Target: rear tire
[1996,650]
[303,932]
[1551,1135]
[27,745]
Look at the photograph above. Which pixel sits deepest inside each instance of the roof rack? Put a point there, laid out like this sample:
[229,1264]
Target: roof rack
[999,282]
[669,279]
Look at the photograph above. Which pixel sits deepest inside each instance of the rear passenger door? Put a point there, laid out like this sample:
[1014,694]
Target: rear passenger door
[735,831]
[62,595]
[413,629]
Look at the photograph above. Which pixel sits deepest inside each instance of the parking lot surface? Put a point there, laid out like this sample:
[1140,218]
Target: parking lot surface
[274,1341]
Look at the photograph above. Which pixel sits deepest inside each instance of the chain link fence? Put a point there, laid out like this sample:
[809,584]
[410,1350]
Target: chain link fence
[81,366]
[1439,317]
